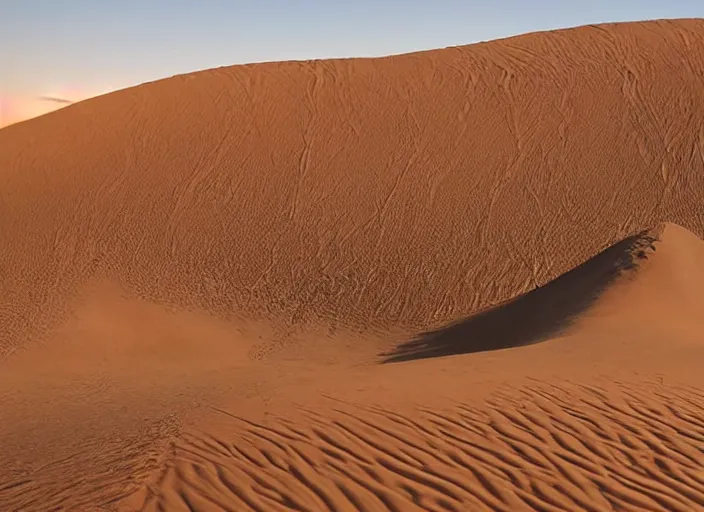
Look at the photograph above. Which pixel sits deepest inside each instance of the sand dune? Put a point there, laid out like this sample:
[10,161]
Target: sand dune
[555,308]
[537,315]
[240,288]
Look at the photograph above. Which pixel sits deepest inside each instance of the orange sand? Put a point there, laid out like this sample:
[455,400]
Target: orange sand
[463,279]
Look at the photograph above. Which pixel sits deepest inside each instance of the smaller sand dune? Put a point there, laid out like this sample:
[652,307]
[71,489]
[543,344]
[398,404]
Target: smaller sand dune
[551,309]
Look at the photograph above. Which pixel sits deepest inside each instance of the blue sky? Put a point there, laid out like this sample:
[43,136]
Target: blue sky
[49,46]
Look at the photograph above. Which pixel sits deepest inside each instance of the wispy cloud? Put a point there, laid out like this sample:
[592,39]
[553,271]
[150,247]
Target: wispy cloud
[14,109]
[20,107]
[55,99]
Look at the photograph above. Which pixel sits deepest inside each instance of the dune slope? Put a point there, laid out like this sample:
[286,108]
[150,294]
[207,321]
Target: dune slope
[202,278]
[408,190]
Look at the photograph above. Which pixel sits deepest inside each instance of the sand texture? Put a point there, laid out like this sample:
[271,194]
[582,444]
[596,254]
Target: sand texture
[455,280]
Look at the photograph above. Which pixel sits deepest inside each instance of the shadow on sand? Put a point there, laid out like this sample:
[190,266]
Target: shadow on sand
[534,316]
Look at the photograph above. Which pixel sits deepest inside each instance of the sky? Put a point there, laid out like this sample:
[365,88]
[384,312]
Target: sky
[53,52]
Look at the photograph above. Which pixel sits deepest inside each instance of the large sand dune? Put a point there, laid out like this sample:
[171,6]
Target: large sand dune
[463,279]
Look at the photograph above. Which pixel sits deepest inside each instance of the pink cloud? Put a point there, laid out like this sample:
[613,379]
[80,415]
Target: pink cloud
[16,108]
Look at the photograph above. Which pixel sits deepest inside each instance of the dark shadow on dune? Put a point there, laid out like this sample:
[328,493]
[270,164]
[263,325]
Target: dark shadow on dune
[535,316]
